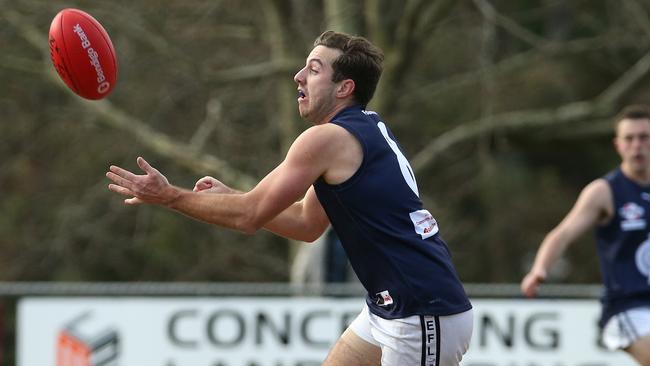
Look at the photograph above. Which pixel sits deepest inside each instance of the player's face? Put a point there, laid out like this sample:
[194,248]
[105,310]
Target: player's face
[633,143]
[316,90]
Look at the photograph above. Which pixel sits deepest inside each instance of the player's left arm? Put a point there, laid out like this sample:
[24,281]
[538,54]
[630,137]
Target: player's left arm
[304,220]
[282,189]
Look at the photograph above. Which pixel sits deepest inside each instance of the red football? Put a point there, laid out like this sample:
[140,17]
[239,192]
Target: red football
[83,54]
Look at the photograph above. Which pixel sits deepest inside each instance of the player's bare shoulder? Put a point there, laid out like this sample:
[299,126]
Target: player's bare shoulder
[329,138]
[336,148]
[598,195]
[327,148]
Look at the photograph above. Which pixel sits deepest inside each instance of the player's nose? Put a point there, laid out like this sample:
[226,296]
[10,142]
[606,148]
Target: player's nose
[299,77]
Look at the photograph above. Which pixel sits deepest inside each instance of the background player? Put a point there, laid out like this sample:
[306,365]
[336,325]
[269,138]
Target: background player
[617,205]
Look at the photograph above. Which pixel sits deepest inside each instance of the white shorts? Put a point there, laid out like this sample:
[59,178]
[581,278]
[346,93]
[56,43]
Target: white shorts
[417,340]
[626,327]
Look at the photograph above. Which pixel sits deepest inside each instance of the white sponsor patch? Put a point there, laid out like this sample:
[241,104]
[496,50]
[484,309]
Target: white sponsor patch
[384,298]
[424,223]
[632,217]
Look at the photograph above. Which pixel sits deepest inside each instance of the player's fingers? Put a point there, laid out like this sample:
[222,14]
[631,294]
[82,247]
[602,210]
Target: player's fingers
[529,286]
[524,286]
[133,201]
[121,190]
[202,185]
[528,292]
[145,166]
[126,192]
[532,291]
[205,180]
[119,180]
[121,172]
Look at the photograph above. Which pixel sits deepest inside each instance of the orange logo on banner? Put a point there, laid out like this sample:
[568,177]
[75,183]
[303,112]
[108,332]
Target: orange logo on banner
[71,351]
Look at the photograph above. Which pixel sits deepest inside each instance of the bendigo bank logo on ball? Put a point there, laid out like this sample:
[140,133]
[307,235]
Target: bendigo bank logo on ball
[93,57]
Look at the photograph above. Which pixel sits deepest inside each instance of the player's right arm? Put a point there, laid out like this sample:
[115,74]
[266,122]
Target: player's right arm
[593,207]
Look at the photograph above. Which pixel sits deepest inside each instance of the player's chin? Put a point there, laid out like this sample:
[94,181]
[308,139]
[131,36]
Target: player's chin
[302,110]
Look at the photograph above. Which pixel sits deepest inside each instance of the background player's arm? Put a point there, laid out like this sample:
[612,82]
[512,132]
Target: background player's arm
[593,207]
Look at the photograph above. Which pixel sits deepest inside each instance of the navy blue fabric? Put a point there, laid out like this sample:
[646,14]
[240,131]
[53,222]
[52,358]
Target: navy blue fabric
[370,213]
[624,248]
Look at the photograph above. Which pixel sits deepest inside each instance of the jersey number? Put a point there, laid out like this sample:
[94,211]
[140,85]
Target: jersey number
[404,166]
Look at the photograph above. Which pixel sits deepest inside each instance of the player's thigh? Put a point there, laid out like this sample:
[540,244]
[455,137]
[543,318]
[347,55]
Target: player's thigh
[351,350]
[640,350]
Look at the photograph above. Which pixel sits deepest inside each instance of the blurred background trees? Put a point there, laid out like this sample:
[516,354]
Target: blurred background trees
[503,107]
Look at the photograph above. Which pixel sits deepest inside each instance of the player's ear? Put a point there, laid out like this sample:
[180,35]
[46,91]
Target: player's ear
[346,88]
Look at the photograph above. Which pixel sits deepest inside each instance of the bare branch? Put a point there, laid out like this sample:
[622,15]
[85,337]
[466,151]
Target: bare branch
[514,120]
[640,15]
[160,143]
[432,17]
[600,107]
[377,32]
[520,60]
[341,15]
[626,81]
[490,14]
[255,71]
[399,55]
[213,115]
[31,34]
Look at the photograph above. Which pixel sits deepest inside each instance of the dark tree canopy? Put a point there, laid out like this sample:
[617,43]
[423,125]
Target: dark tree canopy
[503,107]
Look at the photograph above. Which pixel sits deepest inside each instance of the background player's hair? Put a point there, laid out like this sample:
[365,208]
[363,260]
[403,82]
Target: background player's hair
[635,111]
[360,61]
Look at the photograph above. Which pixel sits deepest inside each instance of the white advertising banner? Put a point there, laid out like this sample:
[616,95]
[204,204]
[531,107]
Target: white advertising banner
[282,331]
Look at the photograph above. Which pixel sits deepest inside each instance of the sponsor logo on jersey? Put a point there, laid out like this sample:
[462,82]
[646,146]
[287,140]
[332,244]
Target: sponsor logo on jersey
[369,113]
[384,298]
[425,225]
[632,217]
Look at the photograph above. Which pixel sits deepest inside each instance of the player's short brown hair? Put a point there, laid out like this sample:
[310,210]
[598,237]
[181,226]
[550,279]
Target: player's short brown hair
[360,61]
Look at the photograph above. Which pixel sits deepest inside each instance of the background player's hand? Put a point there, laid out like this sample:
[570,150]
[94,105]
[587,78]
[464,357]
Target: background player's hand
[209,184]
[151,187]
[530,283]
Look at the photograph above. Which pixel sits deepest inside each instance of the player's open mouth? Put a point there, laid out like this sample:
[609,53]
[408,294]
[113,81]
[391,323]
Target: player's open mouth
[301,95]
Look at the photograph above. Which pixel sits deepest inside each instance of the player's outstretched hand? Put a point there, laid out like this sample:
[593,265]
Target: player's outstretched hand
[209,184]
[530,283]
[151,187]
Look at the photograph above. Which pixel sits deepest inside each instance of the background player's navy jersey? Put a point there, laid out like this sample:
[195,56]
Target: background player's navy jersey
[624,247]
[392,242]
